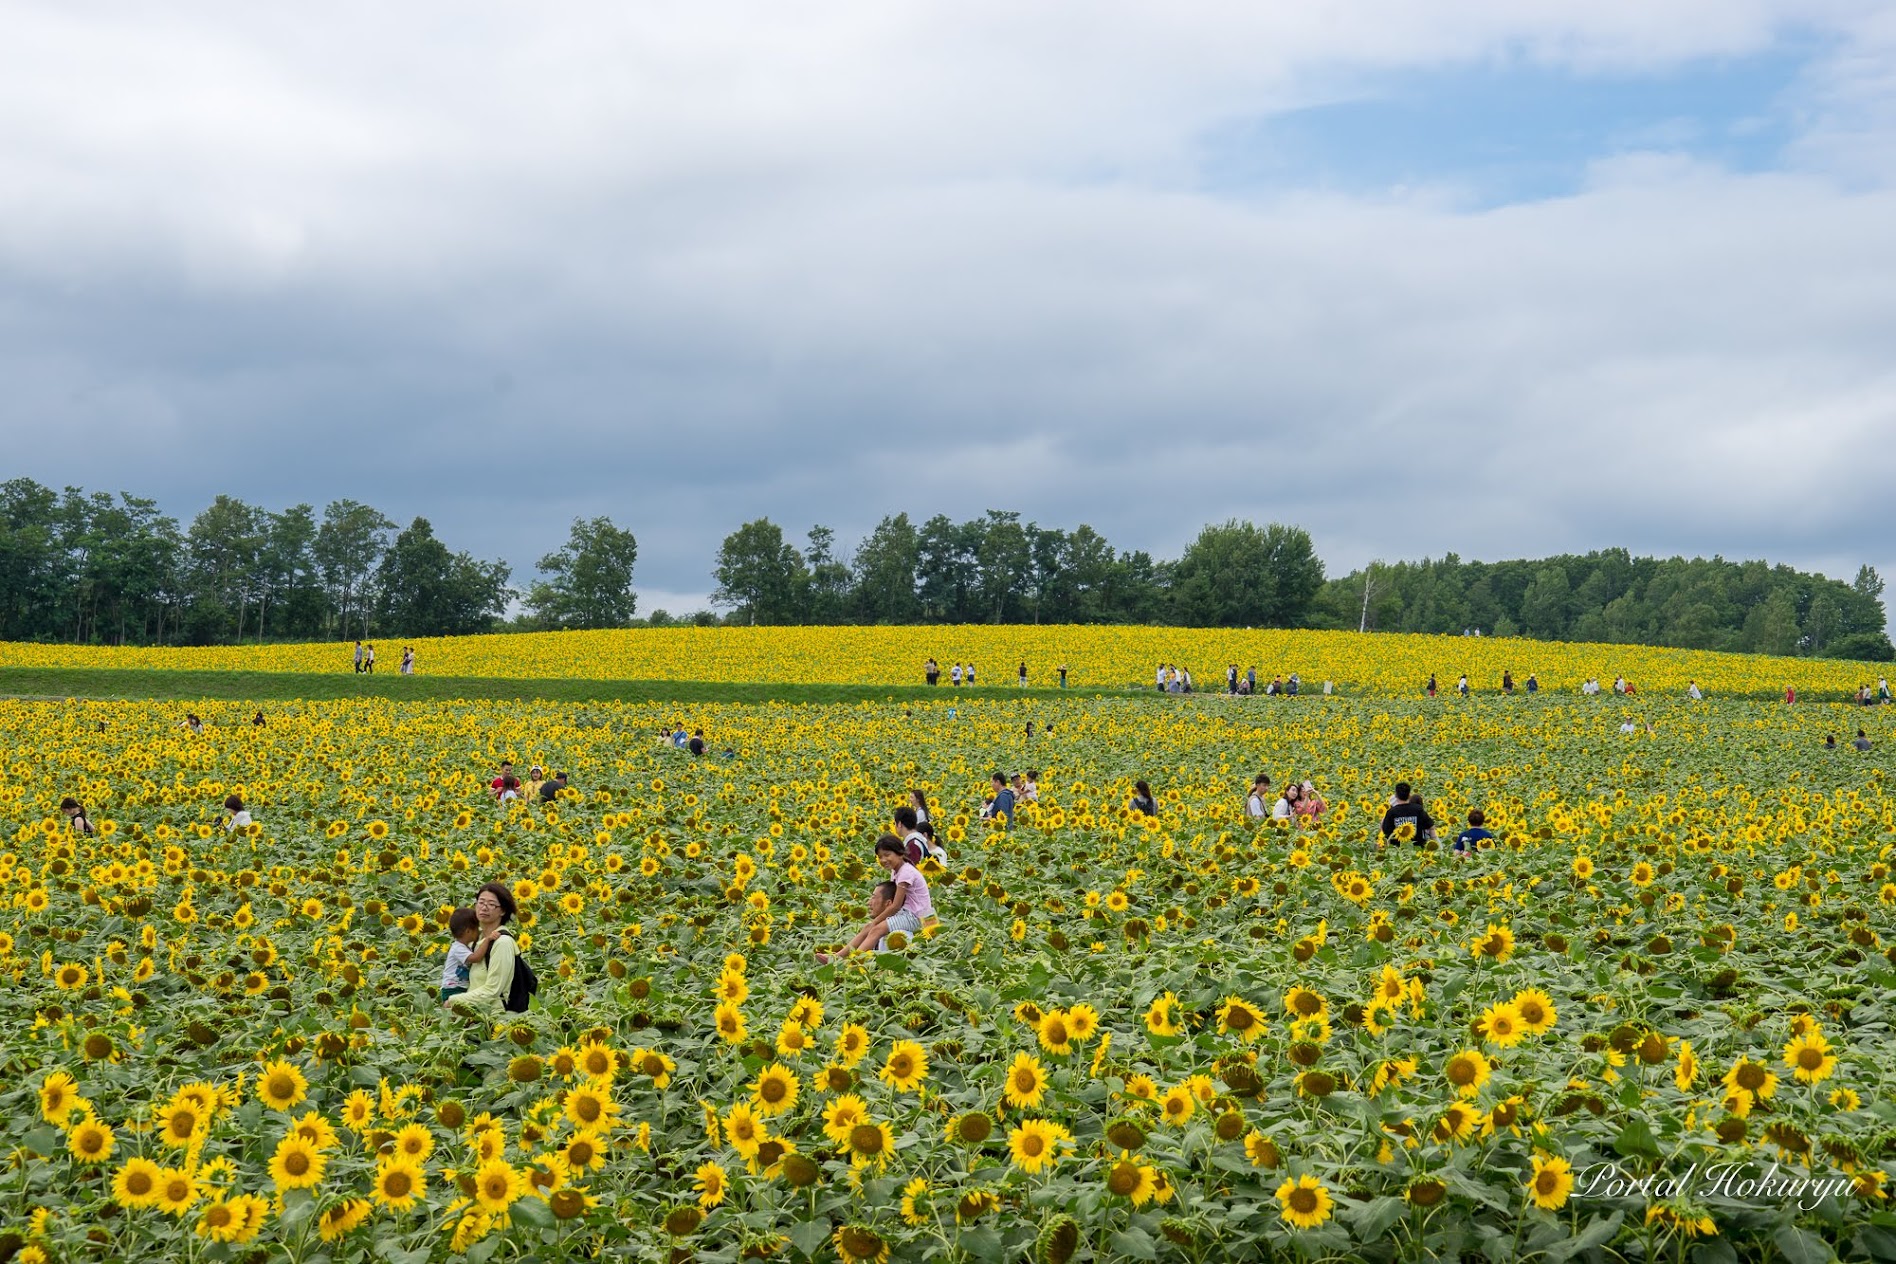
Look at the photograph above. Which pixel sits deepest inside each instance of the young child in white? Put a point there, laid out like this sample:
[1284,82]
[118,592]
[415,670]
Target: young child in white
[463,928]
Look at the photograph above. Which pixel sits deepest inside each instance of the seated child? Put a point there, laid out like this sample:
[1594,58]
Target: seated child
[1474,835]
[463,928]
[906,907]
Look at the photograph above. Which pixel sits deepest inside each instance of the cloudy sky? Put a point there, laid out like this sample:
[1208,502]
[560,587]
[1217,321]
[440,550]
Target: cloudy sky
[1488,276]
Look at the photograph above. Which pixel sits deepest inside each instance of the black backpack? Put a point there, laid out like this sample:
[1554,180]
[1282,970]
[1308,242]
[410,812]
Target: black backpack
[525,983]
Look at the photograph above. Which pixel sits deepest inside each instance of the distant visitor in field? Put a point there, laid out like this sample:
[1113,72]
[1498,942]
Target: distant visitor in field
[358,658]
[76,818]
[1063,675]
[549,791]
[1406,811]
[954,675]
[1310,804]
[1257,804]
[1000,805]
[1023,675]
[931,672]
[1143,800]
[408,660]
[239,817]
[1473,836]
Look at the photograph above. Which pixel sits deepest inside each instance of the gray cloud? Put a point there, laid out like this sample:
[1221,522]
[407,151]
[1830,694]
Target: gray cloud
[687,268]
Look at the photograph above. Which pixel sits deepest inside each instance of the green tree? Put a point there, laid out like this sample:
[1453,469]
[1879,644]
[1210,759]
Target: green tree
[589,581]
[1238,575]
[761,576]
[829,578]
[349,547]
[1544,606]
[221,547]
[425,590]
[885,563]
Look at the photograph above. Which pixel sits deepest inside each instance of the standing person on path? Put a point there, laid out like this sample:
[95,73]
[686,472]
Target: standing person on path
[1023,675]
[1231,679]
[1430,690]
[1292,685]
[1507,683]
[1250,679]
[1159,678]
[408,660]
[1063,675]
[1461,686]
[1790,693]
[970,675]
[492,962]
[358,658]
[368,663]
[1882,688]
[931,671]
[954,676]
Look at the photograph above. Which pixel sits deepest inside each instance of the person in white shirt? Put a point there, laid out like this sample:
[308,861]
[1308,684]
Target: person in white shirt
[1693,693]
[954,676]
[1158,678]
[1286,806]
[1256,806]
[239,817]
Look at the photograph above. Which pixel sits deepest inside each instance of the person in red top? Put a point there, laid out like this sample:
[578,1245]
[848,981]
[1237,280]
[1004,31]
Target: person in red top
[499,783]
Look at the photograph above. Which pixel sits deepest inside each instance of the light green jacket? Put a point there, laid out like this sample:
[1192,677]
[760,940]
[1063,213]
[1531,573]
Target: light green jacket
[489,980]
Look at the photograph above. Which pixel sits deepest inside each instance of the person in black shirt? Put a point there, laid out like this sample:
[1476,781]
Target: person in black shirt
[1407,808]
[1143,801]
[550,790]
[696,744]
[76,816]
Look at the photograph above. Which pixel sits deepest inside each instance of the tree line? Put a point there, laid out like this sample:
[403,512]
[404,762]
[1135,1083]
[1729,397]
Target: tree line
[1612,596]
[89,567]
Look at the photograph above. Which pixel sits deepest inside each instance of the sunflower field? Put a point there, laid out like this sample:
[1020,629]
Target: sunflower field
[1109,657]
[1650,1019]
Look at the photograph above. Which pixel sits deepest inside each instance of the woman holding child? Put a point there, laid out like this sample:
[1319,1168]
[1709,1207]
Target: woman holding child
[491,956]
